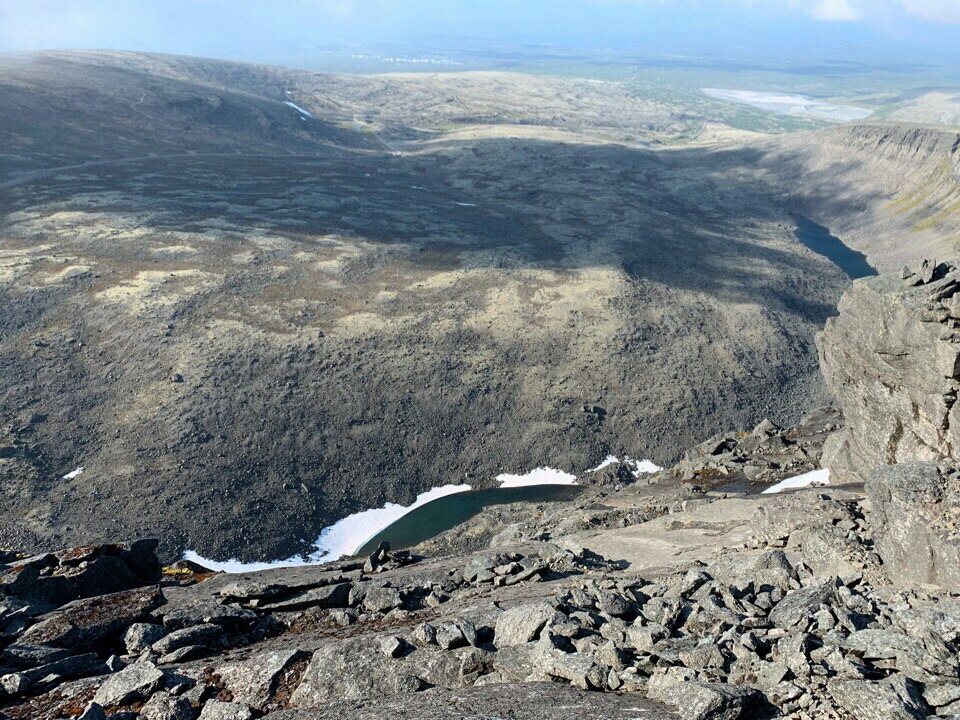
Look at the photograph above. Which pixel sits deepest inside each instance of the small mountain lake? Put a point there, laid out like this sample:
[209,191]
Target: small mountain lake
[438,516]
[821,241]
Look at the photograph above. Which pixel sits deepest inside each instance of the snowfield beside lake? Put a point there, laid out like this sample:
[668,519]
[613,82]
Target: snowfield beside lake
[796,105]
[341,539]
[345,537]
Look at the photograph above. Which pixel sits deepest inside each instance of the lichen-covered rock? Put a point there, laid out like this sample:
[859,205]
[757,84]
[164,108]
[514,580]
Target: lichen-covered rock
[216,710]
[164,706]
[355,669]
[140,636]
[83,624]
[707,701]
[253,682]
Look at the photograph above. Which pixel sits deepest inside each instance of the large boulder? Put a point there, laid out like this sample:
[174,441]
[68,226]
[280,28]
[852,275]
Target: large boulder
[355,669]
[891,358]
[85,624]
[916,523]
[54,579]
[132,684]
[893,699]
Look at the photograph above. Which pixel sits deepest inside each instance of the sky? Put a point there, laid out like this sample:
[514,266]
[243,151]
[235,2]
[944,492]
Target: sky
[284,30]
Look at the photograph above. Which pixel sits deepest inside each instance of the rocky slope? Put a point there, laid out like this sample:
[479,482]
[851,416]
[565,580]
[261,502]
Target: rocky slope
[687,593]
[237,316]
[232,314]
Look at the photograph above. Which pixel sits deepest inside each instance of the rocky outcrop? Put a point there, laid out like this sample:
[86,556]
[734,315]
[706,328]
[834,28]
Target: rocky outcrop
[891,358]
[916,520]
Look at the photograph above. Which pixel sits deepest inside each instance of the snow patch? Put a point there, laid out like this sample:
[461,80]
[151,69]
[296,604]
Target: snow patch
[816,478]
[540,476]
[305,113]
[637,467]
[343,538]
[610,460]
[74,474]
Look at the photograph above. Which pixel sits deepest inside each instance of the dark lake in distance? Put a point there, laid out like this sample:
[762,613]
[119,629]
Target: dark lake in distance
[446,512]
[818,238]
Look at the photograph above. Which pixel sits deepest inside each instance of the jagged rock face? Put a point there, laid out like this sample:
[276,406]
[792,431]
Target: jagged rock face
[891,358]
[916,532]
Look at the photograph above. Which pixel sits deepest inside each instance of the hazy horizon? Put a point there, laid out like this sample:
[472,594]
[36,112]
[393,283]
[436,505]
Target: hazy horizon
[883,33]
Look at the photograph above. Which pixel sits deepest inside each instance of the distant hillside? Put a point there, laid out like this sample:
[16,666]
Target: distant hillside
[891,191]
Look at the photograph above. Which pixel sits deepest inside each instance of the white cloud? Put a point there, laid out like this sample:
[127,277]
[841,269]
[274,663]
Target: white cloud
[836,10]
[947,11]
[937,11]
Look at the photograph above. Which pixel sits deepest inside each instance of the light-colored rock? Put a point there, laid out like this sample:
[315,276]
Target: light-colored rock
[519,625]
[215,710]
[134,683]
[892,375]
[915,524]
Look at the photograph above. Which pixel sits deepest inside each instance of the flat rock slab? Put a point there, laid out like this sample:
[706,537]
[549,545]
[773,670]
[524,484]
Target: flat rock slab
[526,701]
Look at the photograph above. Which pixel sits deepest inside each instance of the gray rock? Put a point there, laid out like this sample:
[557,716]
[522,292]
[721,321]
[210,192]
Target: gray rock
[253,682]
[382,599]
[21,655]
[519,625]
[915,533]
[798,607]
[207,635]
[893,377]
[93,712]
[14,684]
[893,699]
[480,567]
[516,701]
[355,669]
[140,636]
[538,661]
[940,695]
[327,597]
[615,604]
[216,710]
[424,634]
[248,589]
[184,654]
[391,646]
[68,668]
[705,701]
[164,706]
[132,684]
[450,636]
[207,612]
